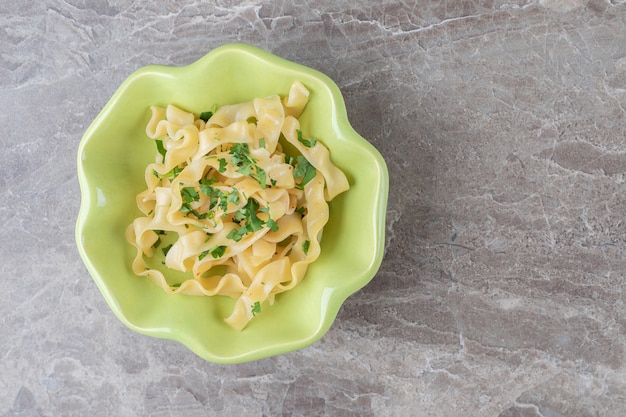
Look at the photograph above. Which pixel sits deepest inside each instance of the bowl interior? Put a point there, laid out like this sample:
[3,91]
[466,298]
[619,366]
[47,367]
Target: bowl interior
[111,161]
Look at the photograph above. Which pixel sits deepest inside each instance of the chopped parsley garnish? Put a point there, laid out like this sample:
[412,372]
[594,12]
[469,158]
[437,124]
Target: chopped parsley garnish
[222,167]
[160,148]
[213,193]
[303,170]
[233,197]
[173,173]
[189,194]
[305,246]
[245,164]
[308,143]
[260,176]
[255,308]
[166,249]
[262,142]
[253,223]
[271,223]
[208,181]
[159,234]
[223,204]
[241,158]
[206,115]
[236,234]
[186,208]
[215,252]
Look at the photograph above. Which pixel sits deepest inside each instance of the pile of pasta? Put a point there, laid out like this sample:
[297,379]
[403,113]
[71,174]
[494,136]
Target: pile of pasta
[241,215]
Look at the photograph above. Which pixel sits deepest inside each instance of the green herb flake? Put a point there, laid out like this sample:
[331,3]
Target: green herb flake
[217,251]
[160,147]
[233,197]
[189,194]
[262,142]
[256,308]
[213,193]
[304,170]
[241,158]
[208,181]
[186,208]
[206,189]
[244,170]
[260,176]
[222,167]
[240,215]
[206,115]
[271,223]
[305,246]
[235,234]
[308,143]
[173,173]
[166,249]
[253,223]
[223,204]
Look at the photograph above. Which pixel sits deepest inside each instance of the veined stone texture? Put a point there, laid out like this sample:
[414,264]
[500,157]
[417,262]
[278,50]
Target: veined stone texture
[501,294]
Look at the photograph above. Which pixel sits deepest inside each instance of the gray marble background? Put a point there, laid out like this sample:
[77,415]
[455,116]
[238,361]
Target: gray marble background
[502,290]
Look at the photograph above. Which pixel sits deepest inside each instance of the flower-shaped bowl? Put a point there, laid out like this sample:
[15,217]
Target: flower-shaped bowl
[112,156]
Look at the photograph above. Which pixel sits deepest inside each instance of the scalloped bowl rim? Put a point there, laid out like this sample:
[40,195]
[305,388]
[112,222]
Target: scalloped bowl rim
[332,297]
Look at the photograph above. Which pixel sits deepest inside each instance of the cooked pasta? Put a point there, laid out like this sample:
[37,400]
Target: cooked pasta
[224,202]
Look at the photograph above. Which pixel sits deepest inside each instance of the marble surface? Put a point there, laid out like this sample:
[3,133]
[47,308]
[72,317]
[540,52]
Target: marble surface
[501,293]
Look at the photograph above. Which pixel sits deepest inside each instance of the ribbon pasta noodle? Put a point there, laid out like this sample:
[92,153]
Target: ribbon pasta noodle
[244,217]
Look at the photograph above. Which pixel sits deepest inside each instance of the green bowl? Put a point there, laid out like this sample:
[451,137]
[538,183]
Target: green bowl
[112,156]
